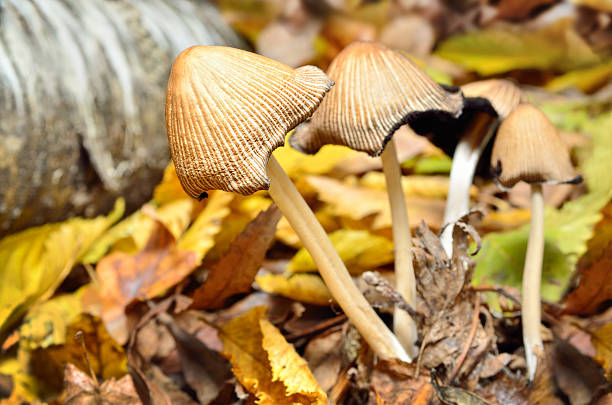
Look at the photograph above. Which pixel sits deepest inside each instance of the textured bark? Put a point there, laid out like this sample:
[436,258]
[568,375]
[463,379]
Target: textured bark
[82,88]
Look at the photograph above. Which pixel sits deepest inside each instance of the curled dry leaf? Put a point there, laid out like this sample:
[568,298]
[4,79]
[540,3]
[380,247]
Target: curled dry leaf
[235,271]
[81,389]
[265,364]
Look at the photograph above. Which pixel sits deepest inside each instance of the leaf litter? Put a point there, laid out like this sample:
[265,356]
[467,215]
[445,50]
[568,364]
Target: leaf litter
[215,301]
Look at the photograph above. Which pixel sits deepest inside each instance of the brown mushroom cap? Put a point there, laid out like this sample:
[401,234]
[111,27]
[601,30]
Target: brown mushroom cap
[503,95]
[228,109]
[528,148]
[377,90]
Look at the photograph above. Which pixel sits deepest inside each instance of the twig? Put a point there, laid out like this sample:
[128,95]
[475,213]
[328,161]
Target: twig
[384,288]
[495,289]
[468,344]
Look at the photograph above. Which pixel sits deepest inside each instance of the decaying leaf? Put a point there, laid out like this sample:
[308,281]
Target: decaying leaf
[235,271]
[395,383]
[595,286]
[265,364]
[358,249]
[324,356]
[146,274]
[81,389]
[308,288]
[34,262]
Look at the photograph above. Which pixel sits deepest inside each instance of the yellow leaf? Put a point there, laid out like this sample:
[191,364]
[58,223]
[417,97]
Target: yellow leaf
[497,50]
[47,322]
[296,163]
[303,287]
[587,79]
[24,385]
[265,364]
[358,249]
[602,340]
[170,188]
[200,237]
[420,186]
[356,203]
[34,262]
[175,216]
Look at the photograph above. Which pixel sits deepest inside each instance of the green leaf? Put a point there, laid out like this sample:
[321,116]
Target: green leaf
[498,50]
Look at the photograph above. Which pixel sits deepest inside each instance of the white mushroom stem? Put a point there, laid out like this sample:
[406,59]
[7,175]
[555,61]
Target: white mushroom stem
[331,267]
[532,276]
[403,324]
[465,159]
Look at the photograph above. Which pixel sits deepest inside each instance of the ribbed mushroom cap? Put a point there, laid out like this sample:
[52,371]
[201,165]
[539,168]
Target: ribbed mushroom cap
[228,109]
[528,148]
[503,95]
[377,90]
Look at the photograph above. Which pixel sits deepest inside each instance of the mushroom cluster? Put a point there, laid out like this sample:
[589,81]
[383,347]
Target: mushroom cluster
[228,109]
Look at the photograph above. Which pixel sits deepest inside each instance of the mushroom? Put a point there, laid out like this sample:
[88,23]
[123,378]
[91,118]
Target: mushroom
[487,103]
[528,148]
[378,90]
[226,111]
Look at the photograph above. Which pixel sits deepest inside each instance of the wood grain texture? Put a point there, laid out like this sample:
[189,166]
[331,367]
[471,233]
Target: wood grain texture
[528,148]
[228,109]
[377,90]
[503,95]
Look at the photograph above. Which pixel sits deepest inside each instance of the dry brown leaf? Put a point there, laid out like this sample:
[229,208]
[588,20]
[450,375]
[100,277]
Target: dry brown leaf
[359,202]
[394,383]
[324,357]
[595,286]
[125,277]
[265,364]
[204,369]
[235,271]
[519,9]
[82,390]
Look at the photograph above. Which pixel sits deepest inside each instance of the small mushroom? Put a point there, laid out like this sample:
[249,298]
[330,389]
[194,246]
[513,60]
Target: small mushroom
[226,111]
[528,148]
[487,103]
[378,90]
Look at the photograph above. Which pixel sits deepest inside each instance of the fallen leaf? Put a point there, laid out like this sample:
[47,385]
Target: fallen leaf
[601,340]
[358,202]
[586,80]
[265,364]
[169,189]
[34,262]
[235,271]
[595,287]
[519,9]
[204,369]
[199,238]
[297,164]
[395,383]
[497,50]
[123,278]
[81,389]
[324,356]
[307,288]
[415,185]
[358,249]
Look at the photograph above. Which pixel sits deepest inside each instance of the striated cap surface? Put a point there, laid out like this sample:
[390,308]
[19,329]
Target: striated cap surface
[228,109]
[503,95]
[377,90]
[528,148]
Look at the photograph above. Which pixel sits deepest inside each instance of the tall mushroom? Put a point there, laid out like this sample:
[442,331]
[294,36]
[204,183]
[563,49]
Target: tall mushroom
[528,148]
[487,103]
[378,90]
[226,111]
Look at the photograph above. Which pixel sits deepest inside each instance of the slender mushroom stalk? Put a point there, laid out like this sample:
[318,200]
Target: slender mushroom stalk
[378,90]
[226,111]
[528,148]
[330,266]
[532,275]
[403,324]
[488,102]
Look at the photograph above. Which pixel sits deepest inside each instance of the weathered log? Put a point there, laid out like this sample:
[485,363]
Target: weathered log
[82,86]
